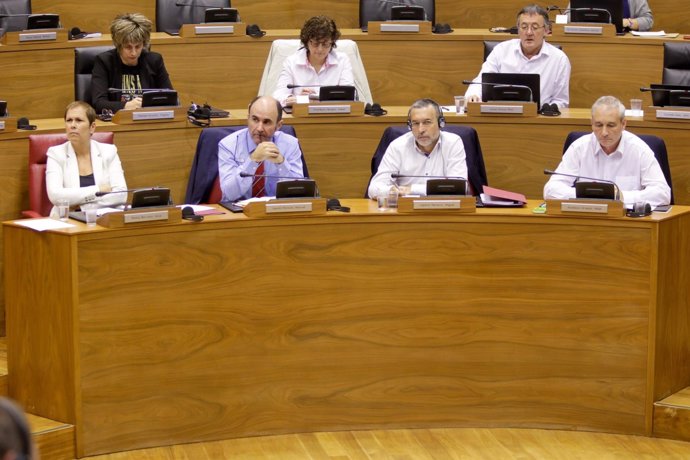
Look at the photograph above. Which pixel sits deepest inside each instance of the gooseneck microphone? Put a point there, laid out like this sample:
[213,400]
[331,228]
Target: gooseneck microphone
[402,176]
[503,86]
[589,10]
[271,176]
[291,86]
[550,172]
[129,190]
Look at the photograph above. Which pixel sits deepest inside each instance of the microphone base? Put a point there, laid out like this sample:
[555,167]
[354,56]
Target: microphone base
[141,217]
[585,208]
[8,124]
[286,208]
[668,113]
[27,37]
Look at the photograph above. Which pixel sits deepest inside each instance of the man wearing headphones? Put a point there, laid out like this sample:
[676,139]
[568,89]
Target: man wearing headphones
[424,152]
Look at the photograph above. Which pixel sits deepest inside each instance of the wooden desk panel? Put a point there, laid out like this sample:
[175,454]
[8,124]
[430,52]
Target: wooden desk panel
[164,352]
[669,15]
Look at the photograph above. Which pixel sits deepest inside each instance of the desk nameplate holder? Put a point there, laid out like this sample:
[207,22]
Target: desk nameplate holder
[584,207]
[8,124]
[653,113]
[503,109]
[150,115]
[329,109]
[215,29]
[582,29]
[453,204]
[141,217]
[399,27]
[28,37]
[286,207]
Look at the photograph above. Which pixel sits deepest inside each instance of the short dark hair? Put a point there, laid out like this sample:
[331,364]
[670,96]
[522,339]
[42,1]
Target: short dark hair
[279,107]
[90,112]
[422,103]
[534,9]
[319,28]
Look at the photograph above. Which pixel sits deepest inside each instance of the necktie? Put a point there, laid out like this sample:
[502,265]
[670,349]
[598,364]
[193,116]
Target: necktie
[626,9]
[259,183]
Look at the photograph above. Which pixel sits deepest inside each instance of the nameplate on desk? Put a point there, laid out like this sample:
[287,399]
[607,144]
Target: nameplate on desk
[508,109]
[583,30]
[2,125]
[397,27]
[329,109]
[611,208]
[437,204]
[202,30]
[153,115]
[272,208]
[673,114]
[286,207]
[227,29]
[147,216]
[37,36]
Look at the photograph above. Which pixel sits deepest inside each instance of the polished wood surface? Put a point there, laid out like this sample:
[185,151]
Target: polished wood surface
[345,321]
[669,15]
[226,72]
[434,444]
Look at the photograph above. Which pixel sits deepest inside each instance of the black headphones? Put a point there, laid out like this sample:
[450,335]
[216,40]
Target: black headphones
[199,115]
[18,419]
[374,110]
[189,214]
[75,33]
[640,210]
[254,31]
[439,114]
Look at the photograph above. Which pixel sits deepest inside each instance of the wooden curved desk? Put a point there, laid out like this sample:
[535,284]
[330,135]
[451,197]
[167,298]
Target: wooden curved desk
[241,327]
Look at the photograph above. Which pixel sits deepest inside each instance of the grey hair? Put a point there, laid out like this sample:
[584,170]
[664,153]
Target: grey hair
[611,102]
[534,9]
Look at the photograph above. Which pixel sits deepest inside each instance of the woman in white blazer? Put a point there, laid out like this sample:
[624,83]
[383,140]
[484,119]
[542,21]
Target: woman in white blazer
[80,167]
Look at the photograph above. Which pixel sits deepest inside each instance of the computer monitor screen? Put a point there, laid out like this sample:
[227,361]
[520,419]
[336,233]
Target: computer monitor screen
[446,187]
[337,93]
[668,95]
[511,87]
[221,15]
[43,21]
[408,13]
[597,190]
[300,188]
[595,11]
[159,98]
[150,197]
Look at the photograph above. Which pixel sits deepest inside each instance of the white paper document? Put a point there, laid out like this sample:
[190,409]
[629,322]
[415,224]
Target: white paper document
[41,225]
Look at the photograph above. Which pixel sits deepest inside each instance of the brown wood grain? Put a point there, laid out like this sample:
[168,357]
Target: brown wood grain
[362,320]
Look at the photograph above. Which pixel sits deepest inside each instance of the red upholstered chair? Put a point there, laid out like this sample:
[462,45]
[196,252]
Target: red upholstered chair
[39,203]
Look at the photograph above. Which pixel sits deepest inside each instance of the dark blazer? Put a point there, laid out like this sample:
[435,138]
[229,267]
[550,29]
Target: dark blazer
[107,73]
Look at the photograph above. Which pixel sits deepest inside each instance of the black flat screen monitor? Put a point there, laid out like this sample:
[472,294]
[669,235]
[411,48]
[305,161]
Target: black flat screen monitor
[159,98]
[150,197]
[591,11]
[299,188]
[670,95]
[221,15]
[43,21]
[446,187]
[596,190]
[511,87]
[408,13]
[337,93]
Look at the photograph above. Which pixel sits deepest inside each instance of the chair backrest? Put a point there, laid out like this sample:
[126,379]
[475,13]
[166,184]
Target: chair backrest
[377,10]
[16,23]
[676,69]
[655,143]
[489,46]
[38,147]
[84,59]
[203,185]
[476,171]
[171,14]
[281,49]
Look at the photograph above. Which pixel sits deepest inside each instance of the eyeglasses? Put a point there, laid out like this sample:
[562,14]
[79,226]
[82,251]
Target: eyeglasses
[325,44]
[417,124]
[533,27]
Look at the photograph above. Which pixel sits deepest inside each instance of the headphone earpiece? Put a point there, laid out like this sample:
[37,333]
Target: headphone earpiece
[441,122]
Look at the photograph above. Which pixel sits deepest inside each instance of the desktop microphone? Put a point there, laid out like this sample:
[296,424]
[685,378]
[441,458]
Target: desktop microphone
[193,3]
[550,172]
[400,3]
[127,190]
[585,10]
[500,85]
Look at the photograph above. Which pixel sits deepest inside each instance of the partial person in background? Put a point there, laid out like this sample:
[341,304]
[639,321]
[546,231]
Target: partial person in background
[260,150]
[129,68]
[612,154]
[530,54]
[424,151]
[15,435]
[80,167]
[316,63]
[636,15]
